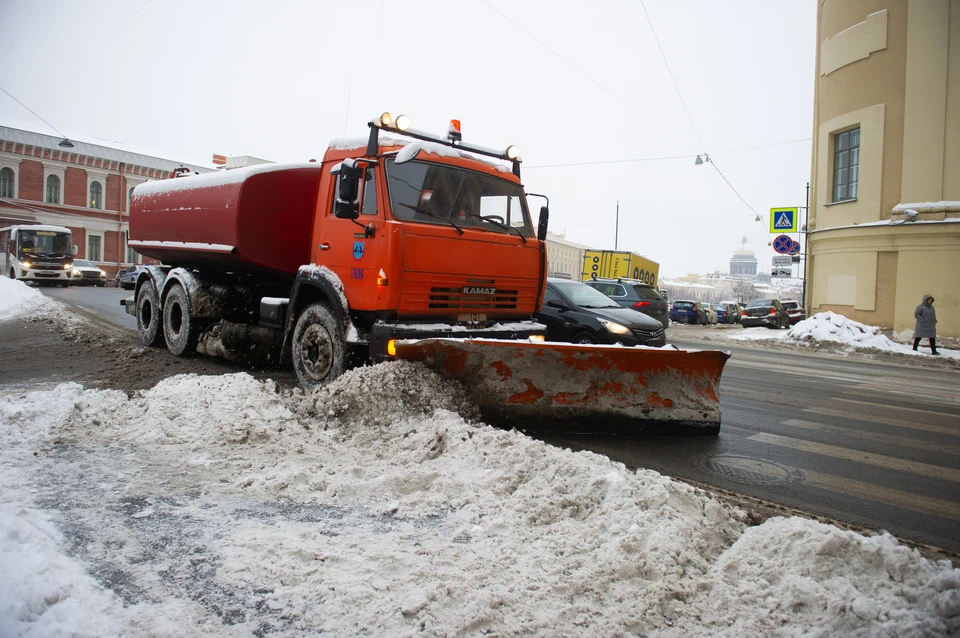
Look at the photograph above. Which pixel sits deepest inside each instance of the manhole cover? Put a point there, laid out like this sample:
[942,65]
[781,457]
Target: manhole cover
[744,469]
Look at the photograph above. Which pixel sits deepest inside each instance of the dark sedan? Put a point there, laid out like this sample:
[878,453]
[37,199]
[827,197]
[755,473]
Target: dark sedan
[765,312]
[574,312]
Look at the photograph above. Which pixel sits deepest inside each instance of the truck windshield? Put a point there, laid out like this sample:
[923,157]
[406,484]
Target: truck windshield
[45,242]
[438,194]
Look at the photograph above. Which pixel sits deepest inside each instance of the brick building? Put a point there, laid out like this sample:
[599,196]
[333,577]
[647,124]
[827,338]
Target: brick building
[85,187]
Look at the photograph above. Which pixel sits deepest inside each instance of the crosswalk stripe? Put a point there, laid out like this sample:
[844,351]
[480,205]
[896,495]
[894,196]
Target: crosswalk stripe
[900,423]
[885,495]
[953,415]
[875,436]
[878,460]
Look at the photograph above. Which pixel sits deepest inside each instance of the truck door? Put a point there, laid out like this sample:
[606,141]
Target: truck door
[351,251]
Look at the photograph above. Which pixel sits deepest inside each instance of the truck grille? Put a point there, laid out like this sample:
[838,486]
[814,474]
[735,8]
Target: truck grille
[454,298]
[442,295]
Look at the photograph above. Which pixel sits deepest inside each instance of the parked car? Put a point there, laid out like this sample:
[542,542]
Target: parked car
[765,312]
[795,310]
[87,273]
[711,314]
[634,294]
[728,312]
[127,279]
[573,311]
[684,311]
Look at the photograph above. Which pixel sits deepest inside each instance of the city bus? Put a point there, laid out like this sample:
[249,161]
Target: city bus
[37,253]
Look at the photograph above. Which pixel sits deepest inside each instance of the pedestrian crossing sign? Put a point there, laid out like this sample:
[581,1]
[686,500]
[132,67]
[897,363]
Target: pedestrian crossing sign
[783,220]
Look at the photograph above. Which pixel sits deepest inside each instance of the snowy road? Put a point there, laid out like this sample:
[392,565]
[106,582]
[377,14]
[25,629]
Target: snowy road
[867,442]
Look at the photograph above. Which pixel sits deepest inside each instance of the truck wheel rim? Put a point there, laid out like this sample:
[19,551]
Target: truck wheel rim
[316,352]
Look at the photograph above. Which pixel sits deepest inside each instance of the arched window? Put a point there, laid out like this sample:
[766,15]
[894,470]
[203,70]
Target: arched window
[6,182]
[53,189]
[96,196]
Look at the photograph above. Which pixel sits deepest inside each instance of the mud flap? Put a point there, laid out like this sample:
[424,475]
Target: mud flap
[561,387]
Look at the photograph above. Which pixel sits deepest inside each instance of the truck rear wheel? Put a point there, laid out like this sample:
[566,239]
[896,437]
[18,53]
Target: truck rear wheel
[318,348]
[149,317]
[179,329]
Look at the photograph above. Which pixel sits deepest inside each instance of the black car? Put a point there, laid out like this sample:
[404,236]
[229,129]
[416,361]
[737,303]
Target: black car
[765,312]
[634,294]
[573,311]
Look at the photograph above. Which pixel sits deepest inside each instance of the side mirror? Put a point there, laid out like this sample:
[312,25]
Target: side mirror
[75,249]
[559,305]
[348,191]
[542,225]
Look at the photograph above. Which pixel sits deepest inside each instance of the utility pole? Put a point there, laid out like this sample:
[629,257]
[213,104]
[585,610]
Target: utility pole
[803,250]
[616,230]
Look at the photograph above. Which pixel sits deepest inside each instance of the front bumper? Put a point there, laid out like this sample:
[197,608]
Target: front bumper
[45,275]
[753,322]
[383,332]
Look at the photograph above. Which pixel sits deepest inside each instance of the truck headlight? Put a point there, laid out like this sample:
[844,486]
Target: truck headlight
[26,264]
[615,327]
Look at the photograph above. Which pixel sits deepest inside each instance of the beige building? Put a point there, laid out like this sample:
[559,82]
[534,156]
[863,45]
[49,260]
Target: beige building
[885,198]
[564,257]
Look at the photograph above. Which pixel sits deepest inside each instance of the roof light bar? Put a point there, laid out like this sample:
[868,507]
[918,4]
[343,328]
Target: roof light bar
[401,124]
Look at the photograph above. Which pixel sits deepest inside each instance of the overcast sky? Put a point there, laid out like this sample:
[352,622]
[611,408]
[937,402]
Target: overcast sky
[580,85]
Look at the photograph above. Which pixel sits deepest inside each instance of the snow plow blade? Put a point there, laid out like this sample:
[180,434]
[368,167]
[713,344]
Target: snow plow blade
[562,387]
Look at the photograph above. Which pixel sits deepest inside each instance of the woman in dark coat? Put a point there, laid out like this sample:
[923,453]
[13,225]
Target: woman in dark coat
[926,327]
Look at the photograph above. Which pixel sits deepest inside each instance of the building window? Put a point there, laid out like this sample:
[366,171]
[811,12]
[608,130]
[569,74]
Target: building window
[53,189]
[846,165]
[96,196]
[93,247]
[6,182]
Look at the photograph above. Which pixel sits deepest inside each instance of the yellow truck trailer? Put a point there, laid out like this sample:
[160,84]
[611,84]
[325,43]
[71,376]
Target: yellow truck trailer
[614,264]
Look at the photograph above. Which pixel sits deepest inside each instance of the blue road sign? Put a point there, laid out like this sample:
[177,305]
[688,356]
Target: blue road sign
[782,244]
[794,248]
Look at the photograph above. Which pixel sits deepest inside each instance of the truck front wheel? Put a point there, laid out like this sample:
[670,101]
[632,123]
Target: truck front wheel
[148,315]
[179,328]
[318,348]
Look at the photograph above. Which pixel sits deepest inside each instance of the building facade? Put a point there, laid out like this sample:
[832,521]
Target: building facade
[564,257]
[884,226]
[85,187]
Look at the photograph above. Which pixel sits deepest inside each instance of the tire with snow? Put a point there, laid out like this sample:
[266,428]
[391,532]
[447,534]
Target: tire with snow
[149,317]
[584,338]
[180,331]
[318,348]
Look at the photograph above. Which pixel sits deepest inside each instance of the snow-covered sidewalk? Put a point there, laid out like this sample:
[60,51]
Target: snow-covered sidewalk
[830,327]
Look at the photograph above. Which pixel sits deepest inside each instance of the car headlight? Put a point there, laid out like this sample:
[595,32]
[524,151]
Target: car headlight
[615,327]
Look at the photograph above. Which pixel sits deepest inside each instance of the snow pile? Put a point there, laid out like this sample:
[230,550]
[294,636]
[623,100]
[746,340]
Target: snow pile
[830,326]
[218,506]
[20,299]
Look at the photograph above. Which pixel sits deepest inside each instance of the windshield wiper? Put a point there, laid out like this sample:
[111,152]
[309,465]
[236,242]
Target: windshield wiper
[491,220]
[429,214]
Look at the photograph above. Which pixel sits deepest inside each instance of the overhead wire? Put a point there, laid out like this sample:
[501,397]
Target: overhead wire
[586,75]
[759,217]
[34,112]
[90,57]
[668,157]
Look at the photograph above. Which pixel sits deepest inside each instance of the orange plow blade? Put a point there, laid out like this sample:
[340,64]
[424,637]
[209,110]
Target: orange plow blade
[561,387]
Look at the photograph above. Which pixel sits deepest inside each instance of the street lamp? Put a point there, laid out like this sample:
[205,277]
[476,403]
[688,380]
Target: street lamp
[65,143]
[701,159]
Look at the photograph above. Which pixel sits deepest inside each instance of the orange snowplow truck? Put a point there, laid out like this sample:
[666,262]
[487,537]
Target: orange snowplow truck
[391,247]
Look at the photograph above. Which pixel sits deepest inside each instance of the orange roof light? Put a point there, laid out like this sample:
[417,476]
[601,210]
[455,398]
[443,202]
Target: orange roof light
[453,131]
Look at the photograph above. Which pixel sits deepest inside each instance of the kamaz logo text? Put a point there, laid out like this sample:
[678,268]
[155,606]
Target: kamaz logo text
[478,290]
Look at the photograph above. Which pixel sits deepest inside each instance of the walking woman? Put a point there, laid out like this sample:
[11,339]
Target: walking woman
[926,327]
